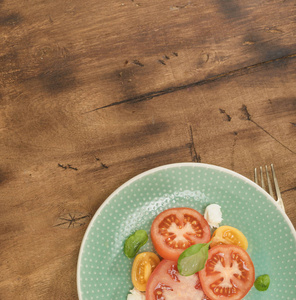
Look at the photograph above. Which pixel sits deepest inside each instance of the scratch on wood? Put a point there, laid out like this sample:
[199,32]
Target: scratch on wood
[222,111]
[67,167]
[288,190]
[138,63]
[230,74]
[62,166]
[72,220]
[194,156]
[162,62]
[294,124]
[102,164]
[247,116]
[175,53]
[70,167]
[166,57]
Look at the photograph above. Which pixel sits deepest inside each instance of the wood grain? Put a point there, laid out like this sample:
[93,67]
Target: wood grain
[93,93]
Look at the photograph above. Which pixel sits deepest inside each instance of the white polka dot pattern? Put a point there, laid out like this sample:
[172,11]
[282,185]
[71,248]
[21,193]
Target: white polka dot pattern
[104,270]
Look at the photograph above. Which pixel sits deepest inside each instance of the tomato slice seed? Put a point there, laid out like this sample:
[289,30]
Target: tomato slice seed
[192,229]
[158,291]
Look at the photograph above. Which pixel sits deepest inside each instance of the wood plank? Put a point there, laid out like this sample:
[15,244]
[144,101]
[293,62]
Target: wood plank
[116,50]
[210,81]
[67,165]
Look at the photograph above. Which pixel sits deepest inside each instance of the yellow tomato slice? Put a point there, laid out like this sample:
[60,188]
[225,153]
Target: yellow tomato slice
[144,264]
[227,235]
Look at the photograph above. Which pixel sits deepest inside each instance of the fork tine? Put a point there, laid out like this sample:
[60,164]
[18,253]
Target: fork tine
[277,189]
[262,179]
[278,198]
[255,176]
[269,183]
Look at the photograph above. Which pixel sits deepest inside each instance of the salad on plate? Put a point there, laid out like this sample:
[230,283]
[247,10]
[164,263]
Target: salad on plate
[192,263]
[251,221]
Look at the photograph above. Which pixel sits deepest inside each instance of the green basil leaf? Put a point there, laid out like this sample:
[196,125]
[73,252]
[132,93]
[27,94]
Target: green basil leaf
[262,283]
[193,259]
[134,242]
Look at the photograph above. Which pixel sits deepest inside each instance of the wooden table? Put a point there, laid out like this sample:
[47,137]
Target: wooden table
[95,92]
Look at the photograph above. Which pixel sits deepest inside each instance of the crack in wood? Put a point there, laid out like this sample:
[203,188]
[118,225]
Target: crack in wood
[194,156]
[62,166]
[68,166]
[245,112]
[222,111]
[248,117]
[138,63]
[72,221]
[104,166]
[288,190]
[154,94]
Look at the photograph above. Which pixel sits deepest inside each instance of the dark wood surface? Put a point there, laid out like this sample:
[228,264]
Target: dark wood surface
[95,92]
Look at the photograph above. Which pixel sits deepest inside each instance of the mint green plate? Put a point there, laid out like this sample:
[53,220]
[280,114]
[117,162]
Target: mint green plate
[103,269]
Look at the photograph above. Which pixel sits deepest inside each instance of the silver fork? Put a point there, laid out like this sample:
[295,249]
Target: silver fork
[278,198]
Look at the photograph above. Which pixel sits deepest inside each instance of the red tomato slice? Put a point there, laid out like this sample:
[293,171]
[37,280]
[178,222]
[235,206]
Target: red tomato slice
[228,274]
[176,229]
[165,283]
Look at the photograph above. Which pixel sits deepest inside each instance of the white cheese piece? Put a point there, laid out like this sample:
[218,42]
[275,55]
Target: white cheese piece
[213,215]
[136,295]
